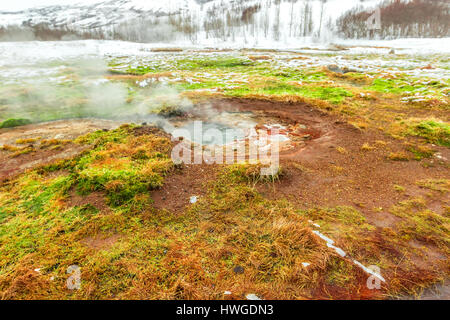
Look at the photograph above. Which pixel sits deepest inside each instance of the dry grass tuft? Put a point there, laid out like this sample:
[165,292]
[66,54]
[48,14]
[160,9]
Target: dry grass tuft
[398,156]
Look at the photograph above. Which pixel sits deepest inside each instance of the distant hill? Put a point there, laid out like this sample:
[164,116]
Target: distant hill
[399,19]
[196,21]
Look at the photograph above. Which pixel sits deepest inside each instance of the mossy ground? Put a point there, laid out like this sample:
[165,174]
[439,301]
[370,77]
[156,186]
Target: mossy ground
[127,248]
[183,256]
[10,123]
[134,250]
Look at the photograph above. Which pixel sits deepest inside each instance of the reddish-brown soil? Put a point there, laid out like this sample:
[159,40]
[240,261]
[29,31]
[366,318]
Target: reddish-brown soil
[101,242]
[182,185]
[95,199]
[319,173]
[12,166]
[61,130]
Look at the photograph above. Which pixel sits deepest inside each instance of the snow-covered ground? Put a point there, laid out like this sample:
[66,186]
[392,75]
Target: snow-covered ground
[13,53]
[59,76]
[38,61]
[404,46]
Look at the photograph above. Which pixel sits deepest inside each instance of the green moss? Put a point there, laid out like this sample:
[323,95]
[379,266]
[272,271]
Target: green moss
[408,86]
[213,63]
[391,86]
[10,123]
[288,74]
[120,185]
[208,84]
[332,94]
[36,198]
[122,165]
[101,137]
[141,70]
[356,77]
[433,130]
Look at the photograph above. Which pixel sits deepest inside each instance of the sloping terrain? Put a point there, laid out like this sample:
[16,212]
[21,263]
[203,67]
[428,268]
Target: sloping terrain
[363,179]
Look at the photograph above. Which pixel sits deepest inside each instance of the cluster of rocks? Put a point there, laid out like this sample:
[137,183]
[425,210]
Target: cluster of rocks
[337,69]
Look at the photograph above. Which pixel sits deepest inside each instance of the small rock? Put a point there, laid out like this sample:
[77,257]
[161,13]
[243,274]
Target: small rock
[392,51]
[336,47]
[193,199]
[347,70]
[306,264]
[252,296]
[334,68]
[227,292]
[238,270]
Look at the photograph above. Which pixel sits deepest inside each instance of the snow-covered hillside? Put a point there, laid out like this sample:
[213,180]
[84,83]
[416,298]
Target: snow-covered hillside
[199,21]
[107,12]
[95,15]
